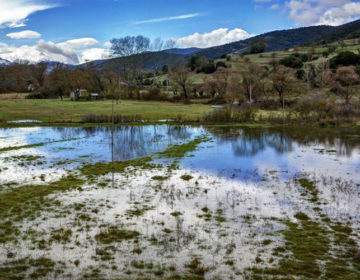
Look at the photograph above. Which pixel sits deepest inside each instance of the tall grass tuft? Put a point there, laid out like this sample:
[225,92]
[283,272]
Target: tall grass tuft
[229,114]
[118,118]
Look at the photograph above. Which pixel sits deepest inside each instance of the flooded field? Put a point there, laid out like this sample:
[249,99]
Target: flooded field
[179,202]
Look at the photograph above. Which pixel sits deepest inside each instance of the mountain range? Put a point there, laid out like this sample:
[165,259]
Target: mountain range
[4,62]
[275,40]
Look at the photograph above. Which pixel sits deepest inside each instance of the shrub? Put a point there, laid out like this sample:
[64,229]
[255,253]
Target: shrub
[300,74]
[345,59]
[154,94]
[231,115]
[209,68]
[118,118]
[221,64]
[292,61]
[147,82]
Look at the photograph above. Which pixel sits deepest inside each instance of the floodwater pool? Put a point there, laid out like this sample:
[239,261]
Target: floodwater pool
[179,202]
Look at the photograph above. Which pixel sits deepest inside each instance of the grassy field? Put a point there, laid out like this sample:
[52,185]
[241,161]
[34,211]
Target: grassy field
[58,111]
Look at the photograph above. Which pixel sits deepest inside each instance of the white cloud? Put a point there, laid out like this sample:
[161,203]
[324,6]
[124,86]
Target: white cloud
[107,44]
[26,34]
[70,52]
[153,20]
[13,13]
[341,15]
[214,38]
[316,12]
[274,7]
[80,43]
[95,54]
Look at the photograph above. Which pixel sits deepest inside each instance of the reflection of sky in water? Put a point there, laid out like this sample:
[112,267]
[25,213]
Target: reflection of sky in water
[238,153]
[129,141]
[251,155]
[80,145]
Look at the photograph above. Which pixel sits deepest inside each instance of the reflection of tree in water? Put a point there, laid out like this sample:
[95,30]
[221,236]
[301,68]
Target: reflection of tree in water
[250,141]
[137,141]
[343,140]
[130,141]
[76,132]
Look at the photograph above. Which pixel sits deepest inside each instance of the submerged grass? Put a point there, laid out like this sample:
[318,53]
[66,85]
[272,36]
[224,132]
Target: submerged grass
[114,234]
[179,151]
[35,145]
[103,168]
[26,202]
[314,248]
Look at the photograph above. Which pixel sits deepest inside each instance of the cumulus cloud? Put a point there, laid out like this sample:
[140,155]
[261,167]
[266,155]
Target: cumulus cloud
[340,15]
[70,52]
[95,54]
[214,38]
[316,12]
[15,12]
[26,34]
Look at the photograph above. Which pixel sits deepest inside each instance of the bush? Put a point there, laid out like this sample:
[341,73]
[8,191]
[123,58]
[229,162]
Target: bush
[154,94]
[118,118]
[300,74]
[209,68]
[292,61]
[345,59]
[221,64]
[270,104]
[148,82]
[229,114]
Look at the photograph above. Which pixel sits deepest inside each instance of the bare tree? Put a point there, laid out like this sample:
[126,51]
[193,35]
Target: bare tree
[113,85]
[130,45]
[169,44]
[181,78]
[284,83]
[222,79]
[39,74]
[345,82]
[157,44]
[251,74]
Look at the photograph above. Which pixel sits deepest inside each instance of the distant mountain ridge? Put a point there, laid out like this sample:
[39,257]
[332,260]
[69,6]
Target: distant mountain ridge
[346,31]
[146,61]
[283,39]
[4,62]
[276,40]
[185,52]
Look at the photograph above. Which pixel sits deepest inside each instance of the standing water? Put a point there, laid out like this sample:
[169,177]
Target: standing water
[179,202]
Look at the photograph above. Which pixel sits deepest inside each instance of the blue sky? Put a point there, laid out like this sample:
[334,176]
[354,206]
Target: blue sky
[72,31]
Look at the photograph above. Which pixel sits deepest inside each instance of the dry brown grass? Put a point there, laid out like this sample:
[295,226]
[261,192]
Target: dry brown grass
[10,96]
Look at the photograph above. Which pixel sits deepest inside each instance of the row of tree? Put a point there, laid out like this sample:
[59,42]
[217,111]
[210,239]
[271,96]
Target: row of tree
[249,82]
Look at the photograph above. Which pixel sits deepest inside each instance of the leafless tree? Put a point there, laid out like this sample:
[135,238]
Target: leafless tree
[181,78]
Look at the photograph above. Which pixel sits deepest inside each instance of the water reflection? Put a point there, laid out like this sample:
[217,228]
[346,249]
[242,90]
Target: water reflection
[128,141]
[234,152]
[251,152]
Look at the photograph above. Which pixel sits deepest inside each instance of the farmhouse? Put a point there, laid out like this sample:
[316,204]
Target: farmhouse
[79,94]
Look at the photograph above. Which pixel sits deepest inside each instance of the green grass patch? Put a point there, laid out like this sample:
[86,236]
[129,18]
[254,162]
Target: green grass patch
[179,151]
[35,145]
[114,234]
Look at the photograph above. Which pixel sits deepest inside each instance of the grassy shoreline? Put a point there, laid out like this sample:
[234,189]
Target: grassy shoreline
[68,113]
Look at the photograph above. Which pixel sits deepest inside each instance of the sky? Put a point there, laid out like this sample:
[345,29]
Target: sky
[76,31]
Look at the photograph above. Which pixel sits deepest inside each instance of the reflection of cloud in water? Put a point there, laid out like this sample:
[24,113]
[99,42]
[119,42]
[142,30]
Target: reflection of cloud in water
[286,150]
[83,144]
